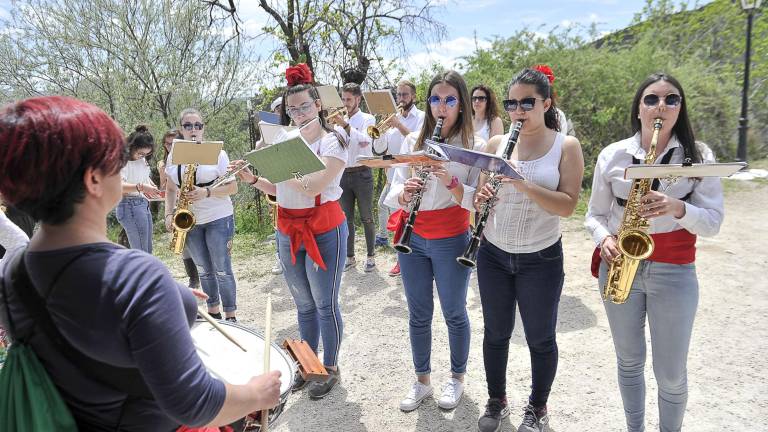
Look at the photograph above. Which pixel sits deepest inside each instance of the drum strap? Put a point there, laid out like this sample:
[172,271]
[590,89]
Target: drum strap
[123,380]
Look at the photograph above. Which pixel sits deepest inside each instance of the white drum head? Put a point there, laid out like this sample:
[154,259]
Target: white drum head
[227,362]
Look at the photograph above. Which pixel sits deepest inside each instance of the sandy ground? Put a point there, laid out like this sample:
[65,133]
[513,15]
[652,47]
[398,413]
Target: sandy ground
[726,377]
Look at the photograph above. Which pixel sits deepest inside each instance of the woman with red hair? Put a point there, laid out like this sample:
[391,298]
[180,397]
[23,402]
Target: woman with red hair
[311,227]
[119,348]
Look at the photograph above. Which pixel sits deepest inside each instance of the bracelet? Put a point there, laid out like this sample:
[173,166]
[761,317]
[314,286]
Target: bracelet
[207,192]
[255,180]
[138,189]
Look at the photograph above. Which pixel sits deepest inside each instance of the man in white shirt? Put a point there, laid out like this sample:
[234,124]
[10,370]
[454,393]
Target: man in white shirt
[357,180]
[410,120]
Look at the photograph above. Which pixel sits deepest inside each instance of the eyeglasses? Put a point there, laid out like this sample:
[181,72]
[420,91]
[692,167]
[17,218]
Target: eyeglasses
[479,98]
[196,125]
[450,101]
[300,110]
[526,104]
[402,95]
[671,100]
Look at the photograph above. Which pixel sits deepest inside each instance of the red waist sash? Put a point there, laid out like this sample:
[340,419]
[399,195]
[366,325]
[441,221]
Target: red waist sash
[674,247]
[431,224]
[301,226]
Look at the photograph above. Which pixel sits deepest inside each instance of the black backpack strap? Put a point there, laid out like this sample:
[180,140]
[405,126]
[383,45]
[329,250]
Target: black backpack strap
[125,380]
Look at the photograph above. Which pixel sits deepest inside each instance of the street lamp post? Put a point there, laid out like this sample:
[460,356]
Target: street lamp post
[750,7]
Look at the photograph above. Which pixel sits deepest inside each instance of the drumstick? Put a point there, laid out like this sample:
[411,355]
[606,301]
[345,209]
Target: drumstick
[267,352]
[218,327]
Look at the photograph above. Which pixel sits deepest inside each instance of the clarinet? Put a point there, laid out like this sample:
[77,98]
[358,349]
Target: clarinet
[403,244]
[469,259]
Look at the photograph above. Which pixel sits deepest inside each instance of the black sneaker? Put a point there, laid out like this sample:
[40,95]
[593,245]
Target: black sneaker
[231,319]
[534,419]
[298,382]
[495,410]
[318,390]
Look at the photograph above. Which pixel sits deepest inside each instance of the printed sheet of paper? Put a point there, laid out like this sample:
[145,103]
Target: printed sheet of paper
[274,133]
[185,152]
[329,97]
[485,161]
[678,170]
[380,102]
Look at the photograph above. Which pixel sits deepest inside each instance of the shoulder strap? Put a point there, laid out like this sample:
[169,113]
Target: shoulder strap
[126,380]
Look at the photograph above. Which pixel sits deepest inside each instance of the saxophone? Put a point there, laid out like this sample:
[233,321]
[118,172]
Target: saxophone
[634,242]
[183,218]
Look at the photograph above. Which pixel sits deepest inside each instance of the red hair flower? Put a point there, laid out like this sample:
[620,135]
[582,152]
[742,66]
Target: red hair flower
[298,74]
[546,70]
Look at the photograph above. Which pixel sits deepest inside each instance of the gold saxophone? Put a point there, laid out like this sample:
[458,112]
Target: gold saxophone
[183,218]
[634,242]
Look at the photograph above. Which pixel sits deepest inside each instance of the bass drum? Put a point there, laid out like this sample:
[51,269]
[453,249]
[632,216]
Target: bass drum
[227,362]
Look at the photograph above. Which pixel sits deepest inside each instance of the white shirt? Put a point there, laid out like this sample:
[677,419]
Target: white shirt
[11,236]
[484,131]
[327,146]
[359,141]
[394,139]
[136,172]
[703,210]
[436,196]
[207,209]
[517,224]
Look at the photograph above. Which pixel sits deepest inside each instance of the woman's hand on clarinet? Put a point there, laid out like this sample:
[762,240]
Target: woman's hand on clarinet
[655,204]
[196,194]
[482,195]
[441,173]
[413,185]
[266,390]
[609,249]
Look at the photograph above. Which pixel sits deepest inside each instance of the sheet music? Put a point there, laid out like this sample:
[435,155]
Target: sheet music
[678,170]
[485,161]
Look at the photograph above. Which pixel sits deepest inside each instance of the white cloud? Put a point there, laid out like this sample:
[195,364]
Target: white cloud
[448,54]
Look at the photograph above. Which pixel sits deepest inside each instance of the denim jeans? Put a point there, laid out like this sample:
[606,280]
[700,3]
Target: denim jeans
[384,212]
[358,186]
[210,245]
[435,260]
[668,295]
[534,282]
[316,291]
[134,215]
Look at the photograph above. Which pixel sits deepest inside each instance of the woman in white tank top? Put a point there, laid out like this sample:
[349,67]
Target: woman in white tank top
[520,260]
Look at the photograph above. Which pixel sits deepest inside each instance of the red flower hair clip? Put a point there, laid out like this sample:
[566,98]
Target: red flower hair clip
[546,70]
[298,74]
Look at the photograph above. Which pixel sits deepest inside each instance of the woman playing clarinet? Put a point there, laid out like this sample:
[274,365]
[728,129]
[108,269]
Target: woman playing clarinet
[520,261]
[665,288]
[311,227]
[440,234]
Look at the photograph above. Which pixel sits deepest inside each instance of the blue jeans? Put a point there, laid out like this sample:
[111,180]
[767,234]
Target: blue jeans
[534,282]
[435,260]
[134,215]
[316,291]
[210,245]
[668,295]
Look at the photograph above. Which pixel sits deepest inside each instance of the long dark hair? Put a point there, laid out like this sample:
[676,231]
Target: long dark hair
[543,88]
[463,124]
[140,138]
[285,120]
[491,104]
[682,128]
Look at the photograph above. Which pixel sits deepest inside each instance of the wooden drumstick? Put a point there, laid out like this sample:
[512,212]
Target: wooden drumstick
[267,353]
[218,327]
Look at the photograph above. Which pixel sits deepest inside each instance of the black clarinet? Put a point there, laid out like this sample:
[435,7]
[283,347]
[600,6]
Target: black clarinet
[469,259]
[403,244]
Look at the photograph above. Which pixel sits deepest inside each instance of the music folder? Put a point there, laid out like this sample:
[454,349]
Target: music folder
[329,97]
[678,170]
[269,117]
[418,158]
[487,162]
[184,152]
[380,102]
[285,160]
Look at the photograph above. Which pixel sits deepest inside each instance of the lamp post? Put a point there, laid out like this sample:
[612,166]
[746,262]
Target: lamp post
[750,7]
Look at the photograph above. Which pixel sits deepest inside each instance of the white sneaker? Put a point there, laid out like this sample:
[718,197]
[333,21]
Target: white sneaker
[418,393]
[452,391]
[278,267]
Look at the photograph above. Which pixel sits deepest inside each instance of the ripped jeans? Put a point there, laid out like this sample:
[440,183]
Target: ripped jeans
[210,245]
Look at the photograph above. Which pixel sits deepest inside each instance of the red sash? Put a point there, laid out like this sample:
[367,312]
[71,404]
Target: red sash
[432,224]
[674,247]
[302,225]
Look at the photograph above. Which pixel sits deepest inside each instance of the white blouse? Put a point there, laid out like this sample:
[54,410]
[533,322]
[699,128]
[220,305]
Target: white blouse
[135,172]
[703,211]
[327,146]
[436,196]
[211,208]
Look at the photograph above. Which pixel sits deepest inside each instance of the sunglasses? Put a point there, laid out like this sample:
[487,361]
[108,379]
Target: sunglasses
[479,98]
[670,100]
[300,110]
[450,101]
[189,126]
[526,104]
